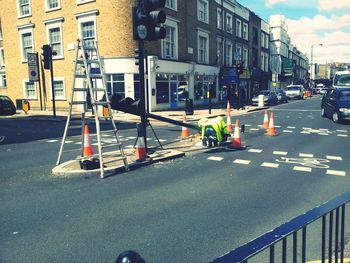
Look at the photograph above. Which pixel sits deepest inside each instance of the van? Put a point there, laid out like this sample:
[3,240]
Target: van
[341,79]
[295,92]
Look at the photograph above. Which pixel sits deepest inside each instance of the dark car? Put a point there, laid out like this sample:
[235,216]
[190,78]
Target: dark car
[7,107]
[336,104]
[270,98]
[281,96]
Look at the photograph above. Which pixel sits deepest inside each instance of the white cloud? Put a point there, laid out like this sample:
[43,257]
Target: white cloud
[306,32]
[328,5]
[270,3]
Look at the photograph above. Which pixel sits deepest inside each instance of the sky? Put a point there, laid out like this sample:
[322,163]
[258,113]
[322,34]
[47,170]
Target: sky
[312,22]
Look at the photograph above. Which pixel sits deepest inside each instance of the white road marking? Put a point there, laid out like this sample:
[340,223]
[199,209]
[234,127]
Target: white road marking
[287,131]
[305,132]
[69,141]
[324,130]
[334,172]
[308,155]
[255,150]
[277,126]
[307,128]
[253,129]
[331,157]
[321,133]
[131,137]
[270,165]
[280,153]
[52,141]
[302,169]
[77,143]
[161,140]
[342,135]
[215,158]
[240,161]
[291,127]
[342,131]
[129,146]
[248,125]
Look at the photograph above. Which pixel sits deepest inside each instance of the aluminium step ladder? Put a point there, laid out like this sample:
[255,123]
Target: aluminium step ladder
[87,58]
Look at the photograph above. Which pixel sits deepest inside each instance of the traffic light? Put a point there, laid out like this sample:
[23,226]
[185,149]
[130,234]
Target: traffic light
[240,68]
[47,55]
[137,57]
[127,104]
[147,20]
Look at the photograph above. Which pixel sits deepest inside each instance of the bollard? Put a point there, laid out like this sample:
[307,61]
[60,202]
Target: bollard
[129,257]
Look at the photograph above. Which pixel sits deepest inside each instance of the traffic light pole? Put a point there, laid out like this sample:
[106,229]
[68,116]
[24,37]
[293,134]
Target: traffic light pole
[142,89]
[52,86]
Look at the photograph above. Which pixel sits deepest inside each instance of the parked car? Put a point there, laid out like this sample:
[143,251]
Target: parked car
[336,104]
[270,98]
[295,92]
[7,107]
[281,96]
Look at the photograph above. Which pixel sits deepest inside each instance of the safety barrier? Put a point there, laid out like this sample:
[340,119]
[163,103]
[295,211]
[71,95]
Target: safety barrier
[271,239]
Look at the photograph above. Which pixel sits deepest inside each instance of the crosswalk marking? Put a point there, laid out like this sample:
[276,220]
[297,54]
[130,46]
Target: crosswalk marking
[287,131]
[342,135]
[334,172]
[280,153]
[308,155]
[255,150]
[342,131]
[215,158]
[302,169]
[270,165]
[240,161]
[331,157]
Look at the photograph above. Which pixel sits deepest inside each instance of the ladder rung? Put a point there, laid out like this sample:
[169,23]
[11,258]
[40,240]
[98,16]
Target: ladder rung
[82,76]
[88,61]
[89,48]
[96,76]
[103,103]
[98,89]
[80,89]
[78,102]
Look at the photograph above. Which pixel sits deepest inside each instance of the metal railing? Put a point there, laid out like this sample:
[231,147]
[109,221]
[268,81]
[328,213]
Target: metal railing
[269,240]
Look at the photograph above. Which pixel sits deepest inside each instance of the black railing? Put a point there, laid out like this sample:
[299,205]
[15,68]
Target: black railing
[269,240]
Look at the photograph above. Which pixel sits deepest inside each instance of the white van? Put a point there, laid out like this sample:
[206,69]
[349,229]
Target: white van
[295,92]
[341,79]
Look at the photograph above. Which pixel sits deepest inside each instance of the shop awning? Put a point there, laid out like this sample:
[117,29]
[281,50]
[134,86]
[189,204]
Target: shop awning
[287,66]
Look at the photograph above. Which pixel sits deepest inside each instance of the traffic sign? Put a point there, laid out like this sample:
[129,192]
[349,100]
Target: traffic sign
[33,69]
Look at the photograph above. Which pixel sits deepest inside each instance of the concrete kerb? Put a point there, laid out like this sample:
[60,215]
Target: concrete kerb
[114,164]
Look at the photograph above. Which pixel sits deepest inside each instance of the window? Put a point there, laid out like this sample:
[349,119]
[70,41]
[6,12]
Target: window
[238,28]
[29,90]
[262,39]
[266,62]
[238,54]
[55,41]
[2,57]
[228,54]
[172,4]
[24,8]
[219,18]
[2,80]
[115,84]
[229,23]
[203,48]
[266,41]
[203,10]
[52,5]
[169,43]
[262,61]
[88,33]
[255,36]
[162,88]
[245,31]
[201,86]
[59,88]
[245,57]
[27,45]
[219,52]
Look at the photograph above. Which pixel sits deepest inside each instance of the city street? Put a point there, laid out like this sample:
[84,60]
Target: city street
[192,209]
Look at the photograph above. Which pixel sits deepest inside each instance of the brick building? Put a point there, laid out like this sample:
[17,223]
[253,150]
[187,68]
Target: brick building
[202,37]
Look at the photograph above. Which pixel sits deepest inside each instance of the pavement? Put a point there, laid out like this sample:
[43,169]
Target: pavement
[113,163]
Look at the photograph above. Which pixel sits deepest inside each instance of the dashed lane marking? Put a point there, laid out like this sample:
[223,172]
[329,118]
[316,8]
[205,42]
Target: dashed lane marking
[240,161]
[342,135]
[253,129]
[52,141]
[305,132]
[331,157]
[342,131]
[290,127]
[280,153]
[302,169]
[161,140]
[270,165]
[287,131]
[131,137]
[334,172]
[321,133]
[248,125]
[215,158]
[308,155]
[255,150]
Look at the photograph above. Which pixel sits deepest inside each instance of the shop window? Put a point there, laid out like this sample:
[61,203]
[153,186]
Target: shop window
[115,84]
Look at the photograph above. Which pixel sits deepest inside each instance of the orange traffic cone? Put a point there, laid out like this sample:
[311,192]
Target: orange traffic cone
[185,133]
[228,122]
[87,143]
[141,152]
[236,139]
[266,120]
[272,130]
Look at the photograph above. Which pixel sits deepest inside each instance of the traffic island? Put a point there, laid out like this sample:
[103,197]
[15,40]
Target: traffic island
[114,163]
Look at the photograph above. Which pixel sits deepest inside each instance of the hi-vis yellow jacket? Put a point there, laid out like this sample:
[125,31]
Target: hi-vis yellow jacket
[218,124]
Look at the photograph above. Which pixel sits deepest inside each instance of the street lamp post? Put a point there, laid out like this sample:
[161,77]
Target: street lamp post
[312,56]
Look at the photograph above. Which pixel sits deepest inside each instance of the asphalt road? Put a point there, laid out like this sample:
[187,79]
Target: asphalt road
[192,209]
